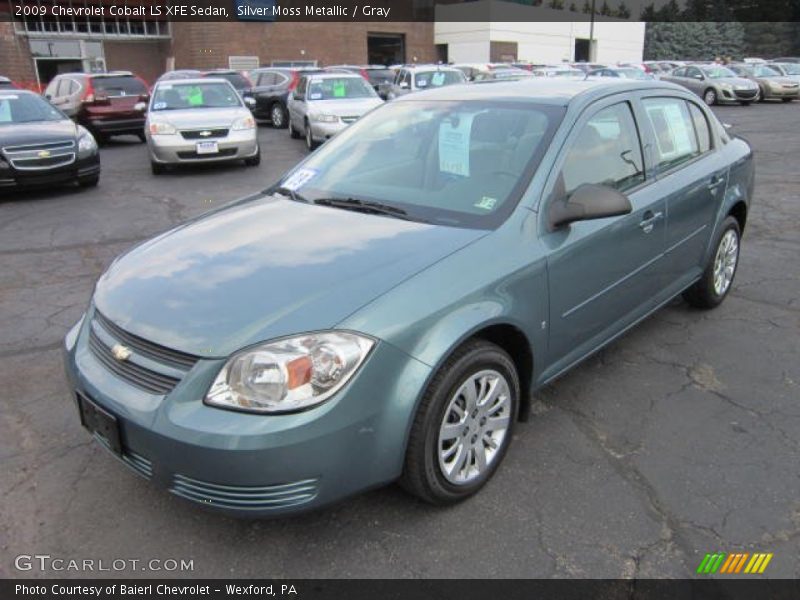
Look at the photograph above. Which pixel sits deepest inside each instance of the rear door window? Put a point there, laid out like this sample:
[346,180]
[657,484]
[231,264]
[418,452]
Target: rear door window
[701,127]
[124,85]
[674,132]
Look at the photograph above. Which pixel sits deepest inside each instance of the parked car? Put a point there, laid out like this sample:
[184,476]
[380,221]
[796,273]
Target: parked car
[586,67]
[40,145]
[6,84]
[192,121]
[105,103]
[387,308]
[424,77]
[621,72]
[471,70]
[502,75]
[788,70]
[240,81]
[379,76]
[272,86]
[323,104]
[715,84]
[771,84]
[559,71]
[787,59]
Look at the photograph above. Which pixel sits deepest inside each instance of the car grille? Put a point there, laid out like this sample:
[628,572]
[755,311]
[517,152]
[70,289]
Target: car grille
[746,94]
[204,134]
[150,367]
[138,463]
[349,120]
[36,157]
[237,497]
[188,155]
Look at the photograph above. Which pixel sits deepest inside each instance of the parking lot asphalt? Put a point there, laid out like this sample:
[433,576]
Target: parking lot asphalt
[679,439]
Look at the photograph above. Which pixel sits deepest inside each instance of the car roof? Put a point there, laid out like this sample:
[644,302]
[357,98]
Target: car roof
[537,91]
[329,75]
[193,80]
[431,68]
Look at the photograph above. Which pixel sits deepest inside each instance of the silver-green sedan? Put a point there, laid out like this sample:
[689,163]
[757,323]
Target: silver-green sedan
[715,84]
[385,310]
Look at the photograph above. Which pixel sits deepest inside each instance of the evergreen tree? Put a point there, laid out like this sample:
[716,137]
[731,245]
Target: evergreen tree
[623,12]
[649,13]
[572,7]
[605,9]
[587,8]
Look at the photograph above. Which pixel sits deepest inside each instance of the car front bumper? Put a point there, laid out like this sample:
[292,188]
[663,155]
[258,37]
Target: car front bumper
[324,131]
[257,465]
[174,149]
[781,92]
[81,168]
[113,126]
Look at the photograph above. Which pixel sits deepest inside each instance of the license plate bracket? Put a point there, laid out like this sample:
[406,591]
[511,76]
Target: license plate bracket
[207,148]
[101,423]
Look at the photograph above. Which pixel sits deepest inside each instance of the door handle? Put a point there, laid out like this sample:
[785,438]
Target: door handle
[716,181]
[649,220]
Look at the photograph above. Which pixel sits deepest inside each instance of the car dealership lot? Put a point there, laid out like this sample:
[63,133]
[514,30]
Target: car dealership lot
[680,439]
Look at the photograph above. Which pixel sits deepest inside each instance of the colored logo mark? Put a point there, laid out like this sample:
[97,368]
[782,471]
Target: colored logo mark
[735,563]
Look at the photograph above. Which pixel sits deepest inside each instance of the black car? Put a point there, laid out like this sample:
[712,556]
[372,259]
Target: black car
[272,86]
[40,145]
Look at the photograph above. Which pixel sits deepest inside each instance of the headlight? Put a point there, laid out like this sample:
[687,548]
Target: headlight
[289,374]
[324,118]
[243,123]
[86,142]
[161,128]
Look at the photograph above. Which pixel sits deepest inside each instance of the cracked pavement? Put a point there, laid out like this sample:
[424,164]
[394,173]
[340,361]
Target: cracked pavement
[681,438]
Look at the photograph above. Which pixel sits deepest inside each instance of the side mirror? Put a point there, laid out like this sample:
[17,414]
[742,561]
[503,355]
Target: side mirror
[296,96]
[589,201]
[249,101]
[140,107]
[403,85]
[699,77]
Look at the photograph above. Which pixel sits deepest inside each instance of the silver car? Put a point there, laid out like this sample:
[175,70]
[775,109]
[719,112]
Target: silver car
[423,77]
[199,120]
[323,104]
[715,84]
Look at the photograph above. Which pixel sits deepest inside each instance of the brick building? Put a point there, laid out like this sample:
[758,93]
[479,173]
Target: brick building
[32,52]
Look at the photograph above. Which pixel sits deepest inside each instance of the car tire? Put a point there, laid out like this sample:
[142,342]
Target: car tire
[714,285]
[309,137]
[445,430]
[157,168]
[253,161]
[87,182]
[277,115]
[745,102]
[760,95]
[787,99]
[710,96]
[142,137]
[292,131]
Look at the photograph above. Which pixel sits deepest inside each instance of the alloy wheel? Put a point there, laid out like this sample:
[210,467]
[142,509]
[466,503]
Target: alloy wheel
[276,116]
[725,262]
[474,427]
[710,97]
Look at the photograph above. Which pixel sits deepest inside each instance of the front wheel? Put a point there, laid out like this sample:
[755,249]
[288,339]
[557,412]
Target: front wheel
[463,425]
[310,143]
[715,283]
[710,96]
[89,181]
[157,168]
[745,102]
[292,131]
[787,99]
[253,161]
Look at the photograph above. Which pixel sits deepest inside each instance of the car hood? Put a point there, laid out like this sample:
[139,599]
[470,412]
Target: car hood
[344,108]
[264,268]
[21,134]
[200,117]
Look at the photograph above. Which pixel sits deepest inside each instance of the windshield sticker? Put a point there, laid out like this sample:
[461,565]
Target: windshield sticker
[5,110]
[486,203]
[299,178]
[437,79]
[421,83]
[159,105]
[339,90]
[454,135]
[315,96]
[195,96]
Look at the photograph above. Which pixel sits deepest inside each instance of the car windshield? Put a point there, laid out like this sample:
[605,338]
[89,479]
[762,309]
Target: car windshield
[335,88]
[458,163]
[181,96]
[790,68]
[125,85]
[633,73]
[718,72]
[764,71]
[433,79]
[26,108]
[237,79]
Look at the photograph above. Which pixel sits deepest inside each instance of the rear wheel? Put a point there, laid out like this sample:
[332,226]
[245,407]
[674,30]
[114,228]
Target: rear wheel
[463,425]
[277,115]
[712,288]
[745,102]
[787,99]
[710,96]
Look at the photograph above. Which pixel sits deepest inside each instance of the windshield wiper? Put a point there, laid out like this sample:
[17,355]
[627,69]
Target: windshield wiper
[367,206]
[290,193]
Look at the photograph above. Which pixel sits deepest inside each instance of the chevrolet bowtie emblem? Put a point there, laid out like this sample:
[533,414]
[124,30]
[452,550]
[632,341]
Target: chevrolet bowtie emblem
[120,352]
[205,133]
[43,154]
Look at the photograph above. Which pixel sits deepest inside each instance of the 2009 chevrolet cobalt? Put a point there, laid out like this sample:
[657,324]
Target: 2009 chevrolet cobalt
[385,310]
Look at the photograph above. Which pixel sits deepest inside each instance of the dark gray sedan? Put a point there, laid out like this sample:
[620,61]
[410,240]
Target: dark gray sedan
[715,84]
